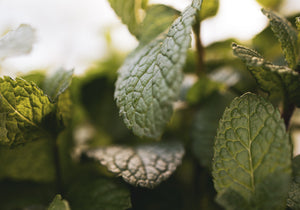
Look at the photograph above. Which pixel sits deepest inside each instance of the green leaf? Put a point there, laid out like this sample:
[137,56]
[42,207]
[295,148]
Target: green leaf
[272,4]
[57,83]
[23,108]
[38,77]
[293,200]
[130,12]
[204,127]
[59,204]
[17,42]
[209,9]
[64,108]
[298,23]
[158,19]
[252,152]
[149,80]
[33,161]
[232,200]
[276,80]
[286,35]
[145,165]
[99,193]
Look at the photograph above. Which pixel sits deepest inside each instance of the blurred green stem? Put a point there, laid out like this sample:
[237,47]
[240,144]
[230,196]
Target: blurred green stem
[199,47]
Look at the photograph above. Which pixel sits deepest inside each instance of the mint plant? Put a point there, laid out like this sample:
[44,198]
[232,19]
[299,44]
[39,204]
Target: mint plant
[168,126]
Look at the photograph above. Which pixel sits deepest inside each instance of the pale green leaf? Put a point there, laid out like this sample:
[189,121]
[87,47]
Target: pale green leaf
[59,204]
[23,108]
[209,9]
[144,165]
[99,193]
[276,80]
[293,200]
[57,83]
[17,42]
[272,4]
[149,80]
[252,152]
[286,35]
[158,19]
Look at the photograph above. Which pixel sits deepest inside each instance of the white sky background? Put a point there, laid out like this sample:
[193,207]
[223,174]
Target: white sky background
[70,33]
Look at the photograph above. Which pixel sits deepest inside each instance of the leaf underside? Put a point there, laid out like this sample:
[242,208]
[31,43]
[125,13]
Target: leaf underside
[145,165]
[149,81]
[23,107]
[252,152]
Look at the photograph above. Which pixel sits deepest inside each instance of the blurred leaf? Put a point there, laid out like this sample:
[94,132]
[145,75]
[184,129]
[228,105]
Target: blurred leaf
[64,109]
[149,80]
[219,50]
[32,161]
[205,124]
[57,83]
[37,77]
[293,200]
[243,159]
[98,193]
[286,35]
[145,165]
[17,42]
[276,80]
[271,4]
[59,204]
[23,108]
[209,9]
[158,19]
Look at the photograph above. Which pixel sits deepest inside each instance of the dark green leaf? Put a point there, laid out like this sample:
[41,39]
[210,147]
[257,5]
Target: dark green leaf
[23,107]
[209,8]
[57,83]
[100,193]
[38,77]
[232,200]
[158,19]
[286,35]
[59,204]
[252,152]
[293,200]
[276,80]
[145,165]
[149,81]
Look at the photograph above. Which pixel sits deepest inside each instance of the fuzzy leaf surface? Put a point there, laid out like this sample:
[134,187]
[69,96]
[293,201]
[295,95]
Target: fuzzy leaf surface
[17,42]
[59,204]
[149,80]
[286,35]
[145,165]
[276,80]
[252,152]
[23,107]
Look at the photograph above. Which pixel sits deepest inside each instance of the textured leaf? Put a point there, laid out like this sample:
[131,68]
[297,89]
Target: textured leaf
[23,107]
[145,165]
[57,83]
[204,127]
[252,152]
[232,200]
[149,81]
[158,19]
[209,8]
[293,200]
[276,80]
[286,35]
[100,193]
[272,4]
[130,13]
[59,204]
[17,42]
[33,161]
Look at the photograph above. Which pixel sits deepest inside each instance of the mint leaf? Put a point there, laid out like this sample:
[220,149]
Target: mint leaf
[57,83]
[38,77]
[23,107]
[158,19]
[232,200]
[293,200]
[272,4]
[130,13]
[33,161]
[99,193]
[64,108]
[17,42]
[209,9]
[286,35]
[149,80]
[276,80]
[59,204]
[252,152]
[145,165]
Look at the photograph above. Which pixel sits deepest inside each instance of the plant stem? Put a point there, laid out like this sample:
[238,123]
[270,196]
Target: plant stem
[200,49]
[57,167]
[287,113]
